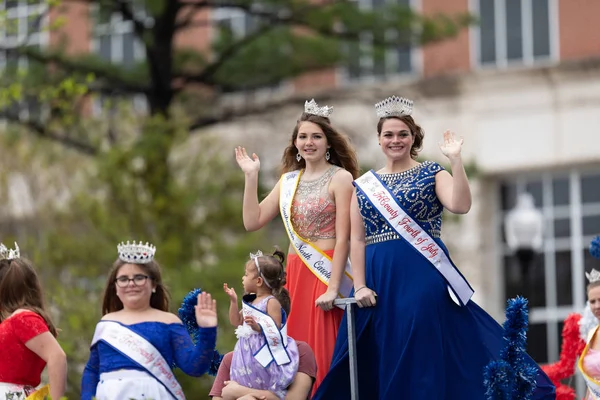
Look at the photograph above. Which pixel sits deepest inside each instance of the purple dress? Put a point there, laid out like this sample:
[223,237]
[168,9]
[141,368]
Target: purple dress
[248,372]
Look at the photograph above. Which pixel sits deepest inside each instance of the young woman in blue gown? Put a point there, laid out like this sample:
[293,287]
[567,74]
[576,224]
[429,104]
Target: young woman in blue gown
[418,334]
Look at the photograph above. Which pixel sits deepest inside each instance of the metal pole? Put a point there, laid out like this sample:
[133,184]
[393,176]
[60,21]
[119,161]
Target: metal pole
[348,303]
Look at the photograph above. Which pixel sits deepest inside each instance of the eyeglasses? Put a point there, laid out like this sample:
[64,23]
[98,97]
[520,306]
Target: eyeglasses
[138,280]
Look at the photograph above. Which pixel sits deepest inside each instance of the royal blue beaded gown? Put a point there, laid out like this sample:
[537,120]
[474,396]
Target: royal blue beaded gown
[416,343]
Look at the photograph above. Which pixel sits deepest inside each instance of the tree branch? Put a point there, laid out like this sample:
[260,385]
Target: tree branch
[138,26]
[70,65]
[42,131]
[208,72]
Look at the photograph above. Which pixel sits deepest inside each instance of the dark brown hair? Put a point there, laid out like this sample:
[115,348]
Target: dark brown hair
[273,273]
[341,151]
[415,130]
[20,288]
[159,300]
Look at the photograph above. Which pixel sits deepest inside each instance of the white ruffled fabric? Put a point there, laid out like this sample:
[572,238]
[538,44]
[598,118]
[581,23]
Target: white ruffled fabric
[587,322]
[244,331]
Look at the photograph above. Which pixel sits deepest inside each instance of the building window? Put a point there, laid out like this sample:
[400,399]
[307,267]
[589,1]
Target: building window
[555,282]
[366,61]
[114,40]
[22,26]
[514,31]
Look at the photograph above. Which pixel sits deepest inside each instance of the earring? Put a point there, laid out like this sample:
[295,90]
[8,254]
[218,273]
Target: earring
[327,155]
[154,290]
[298,157]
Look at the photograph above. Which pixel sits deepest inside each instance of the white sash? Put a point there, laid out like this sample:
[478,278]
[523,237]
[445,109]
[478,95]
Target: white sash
[408,229]
[140,351]
[316,260]
[275,348]
[592,384]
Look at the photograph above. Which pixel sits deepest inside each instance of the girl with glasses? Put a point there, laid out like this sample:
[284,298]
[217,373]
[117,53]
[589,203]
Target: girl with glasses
[138,341]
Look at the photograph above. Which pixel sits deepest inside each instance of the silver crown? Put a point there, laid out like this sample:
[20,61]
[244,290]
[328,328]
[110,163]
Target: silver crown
[9,254]
[256,255]
[311,107]
[136,253]
[394,107]
[593,276]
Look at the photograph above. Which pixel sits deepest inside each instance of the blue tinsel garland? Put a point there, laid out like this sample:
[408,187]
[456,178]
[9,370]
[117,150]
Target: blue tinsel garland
[595,247]
[512,377]
[187,313]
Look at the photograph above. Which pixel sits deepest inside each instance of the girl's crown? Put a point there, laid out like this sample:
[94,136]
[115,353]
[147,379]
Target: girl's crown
[394,107]
[9,254]
[311,107]
[136,253]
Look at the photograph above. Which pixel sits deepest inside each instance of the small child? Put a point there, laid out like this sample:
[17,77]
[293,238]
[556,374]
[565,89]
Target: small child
[264,357]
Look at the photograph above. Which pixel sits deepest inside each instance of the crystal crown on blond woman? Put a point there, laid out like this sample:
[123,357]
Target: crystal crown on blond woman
[136,253]
[311,107]
[9,254]
[394,107]
[593,276]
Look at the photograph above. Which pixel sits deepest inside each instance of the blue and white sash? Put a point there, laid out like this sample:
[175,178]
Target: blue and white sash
[384,201]
[140,351]
[275,348]
[316,261]
[593,384]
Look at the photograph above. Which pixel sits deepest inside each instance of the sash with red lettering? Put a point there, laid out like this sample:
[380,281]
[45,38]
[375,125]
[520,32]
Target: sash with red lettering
[380,196]
[140,351]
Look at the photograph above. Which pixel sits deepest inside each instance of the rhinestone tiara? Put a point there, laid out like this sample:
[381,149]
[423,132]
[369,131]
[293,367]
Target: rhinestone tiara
[394,107]
[9,254]
[311,107]
[593,276]
[136,253]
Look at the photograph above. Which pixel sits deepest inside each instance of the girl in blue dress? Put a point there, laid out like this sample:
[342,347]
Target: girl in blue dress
[138,342]
[418,334]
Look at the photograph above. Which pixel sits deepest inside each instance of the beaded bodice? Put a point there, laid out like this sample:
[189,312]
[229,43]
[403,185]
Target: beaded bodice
[313,209]
[415,191]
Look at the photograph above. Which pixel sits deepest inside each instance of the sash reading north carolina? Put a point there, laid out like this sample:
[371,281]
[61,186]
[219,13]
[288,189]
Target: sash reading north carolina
[384,201]
[275,348]
[316,261]
[592,384]
[140,351]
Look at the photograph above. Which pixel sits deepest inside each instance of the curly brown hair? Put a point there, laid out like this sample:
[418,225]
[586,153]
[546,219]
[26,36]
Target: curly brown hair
[159,299]
[415,130]
[20,288]
[273,272]
[341,151]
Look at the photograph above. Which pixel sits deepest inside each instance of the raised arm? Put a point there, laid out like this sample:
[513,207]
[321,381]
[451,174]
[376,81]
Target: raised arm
[365,297]
[453,190]
[235,317]
[255,215]
[91,375]
[342,189]
[195,359]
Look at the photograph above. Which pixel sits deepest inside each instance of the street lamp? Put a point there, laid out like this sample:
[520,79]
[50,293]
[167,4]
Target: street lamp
[523,228]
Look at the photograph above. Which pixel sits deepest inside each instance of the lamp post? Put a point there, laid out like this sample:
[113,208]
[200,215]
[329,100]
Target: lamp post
[523,228]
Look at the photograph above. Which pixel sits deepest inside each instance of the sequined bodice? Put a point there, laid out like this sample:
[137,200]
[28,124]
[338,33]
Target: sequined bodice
[313,210]
[415,191]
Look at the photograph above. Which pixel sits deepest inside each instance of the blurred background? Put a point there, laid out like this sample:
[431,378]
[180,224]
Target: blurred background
[118,121]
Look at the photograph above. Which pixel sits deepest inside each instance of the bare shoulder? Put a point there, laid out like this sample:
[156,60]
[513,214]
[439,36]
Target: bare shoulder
[442,176]
[273,302]
[113,316]
[167,317]
[342,177]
